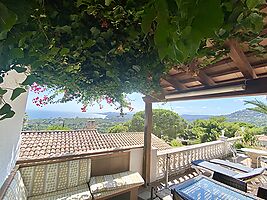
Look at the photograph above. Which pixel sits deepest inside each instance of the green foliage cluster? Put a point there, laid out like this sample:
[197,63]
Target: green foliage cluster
[176,143]
[58,127]
[211,129]
[103,125]
[118,128]
[166,123]
[90,49]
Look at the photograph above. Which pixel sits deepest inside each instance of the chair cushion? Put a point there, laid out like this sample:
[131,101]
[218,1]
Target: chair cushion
[75,193]
[117,181]
[16,190]
[45,178]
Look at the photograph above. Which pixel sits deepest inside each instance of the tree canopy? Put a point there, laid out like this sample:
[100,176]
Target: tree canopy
[166,124]
[102,49]
[211,129]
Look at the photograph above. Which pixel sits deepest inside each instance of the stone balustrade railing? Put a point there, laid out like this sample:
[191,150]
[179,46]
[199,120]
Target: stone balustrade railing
[179,159]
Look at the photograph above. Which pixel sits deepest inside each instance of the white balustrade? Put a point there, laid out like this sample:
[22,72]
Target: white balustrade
[180,158]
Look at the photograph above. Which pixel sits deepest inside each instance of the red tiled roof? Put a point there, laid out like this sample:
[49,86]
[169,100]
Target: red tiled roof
[262,138]
[50,144]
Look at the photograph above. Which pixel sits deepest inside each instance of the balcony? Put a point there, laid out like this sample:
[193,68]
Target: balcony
[169,166]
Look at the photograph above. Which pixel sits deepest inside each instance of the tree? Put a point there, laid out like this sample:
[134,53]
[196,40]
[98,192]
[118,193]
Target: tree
[260,106]
[102,49]
[208,130]
[211,129]
[119,128]
[176,143]
[58,128]
[165,123]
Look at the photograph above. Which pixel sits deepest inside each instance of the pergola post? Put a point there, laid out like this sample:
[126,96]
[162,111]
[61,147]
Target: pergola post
[147,142]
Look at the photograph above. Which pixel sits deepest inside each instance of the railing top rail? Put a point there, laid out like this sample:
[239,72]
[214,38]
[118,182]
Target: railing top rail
[189,147]
[195,146]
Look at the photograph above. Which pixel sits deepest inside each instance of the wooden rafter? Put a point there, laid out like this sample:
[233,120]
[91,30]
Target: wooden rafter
[241,61]
[175,82]
[205,79]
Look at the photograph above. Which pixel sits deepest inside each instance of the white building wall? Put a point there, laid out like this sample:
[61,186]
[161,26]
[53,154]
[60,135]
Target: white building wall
[153,165]
[10,128]
[136,160]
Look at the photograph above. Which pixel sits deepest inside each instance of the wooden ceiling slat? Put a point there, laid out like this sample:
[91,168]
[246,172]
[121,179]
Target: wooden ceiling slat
[241,61]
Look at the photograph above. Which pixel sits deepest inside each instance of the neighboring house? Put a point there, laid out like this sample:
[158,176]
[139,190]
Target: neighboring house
[263,140]
[55,144]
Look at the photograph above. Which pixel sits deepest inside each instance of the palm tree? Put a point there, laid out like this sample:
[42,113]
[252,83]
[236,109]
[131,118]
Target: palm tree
[261,107]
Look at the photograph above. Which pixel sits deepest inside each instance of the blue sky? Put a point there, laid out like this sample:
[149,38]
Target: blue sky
[196,107]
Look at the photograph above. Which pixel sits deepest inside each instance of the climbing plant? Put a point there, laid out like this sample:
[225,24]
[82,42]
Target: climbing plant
[103,49]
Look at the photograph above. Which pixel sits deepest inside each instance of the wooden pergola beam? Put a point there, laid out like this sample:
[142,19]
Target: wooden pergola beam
[205,79]
[241,61]
[147,142]
[253,87]
[175,82]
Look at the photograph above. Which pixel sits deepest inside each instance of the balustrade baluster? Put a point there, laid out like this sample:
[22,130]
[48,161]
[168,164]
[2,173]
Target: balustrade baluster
[181,158]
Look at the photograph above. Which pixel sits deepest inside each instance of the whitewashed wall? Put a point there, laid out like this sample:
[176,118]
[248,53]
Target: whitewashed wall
[136,160]
[10,128]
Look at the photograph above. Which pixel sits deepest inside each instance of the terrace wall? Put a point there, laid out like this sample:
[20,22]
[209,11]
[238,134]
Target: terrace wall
[10,128]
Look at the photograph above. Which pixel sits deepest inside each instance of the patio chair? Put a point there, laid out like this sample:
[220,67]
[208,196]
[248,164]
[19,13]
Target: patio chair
[212,167]
[262,193]
[230,181]
[232,165]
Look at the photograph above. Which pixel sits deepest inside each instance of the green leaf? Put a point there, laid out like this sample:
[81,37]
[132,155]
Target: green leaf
[108,2]
[89,43]
[257,21]
[19,69]
[16,92]
[16,53]
[64,51]
[54,51]
[254,3]
[147,19]
[208,18]
[1,79]
[8,115]
[95,32]
[161,35]
[29,80]
[2,91]
[8,18]
[5,109]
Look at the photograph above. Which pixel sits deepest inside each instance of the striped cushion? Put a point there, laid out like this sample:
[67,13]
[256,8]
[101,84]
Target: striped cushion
[47,178]
[16,190]
[105,183]
[75,193]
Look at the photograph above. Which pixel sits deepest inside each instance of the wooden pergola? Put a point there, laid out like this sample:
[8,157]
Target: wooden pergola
[241,73]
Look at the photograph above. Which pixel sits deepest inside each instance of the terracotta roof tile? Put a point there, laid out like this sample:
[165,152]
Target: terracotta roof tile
[48,144]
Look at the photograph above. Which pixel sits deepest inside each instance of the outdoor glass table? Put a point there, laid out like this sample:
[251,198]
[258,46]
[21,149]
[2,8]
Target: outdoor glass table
[204,188]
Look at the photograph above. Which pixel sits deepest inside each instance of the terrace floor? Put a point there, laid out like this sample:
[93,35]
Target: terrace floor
[144,193]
